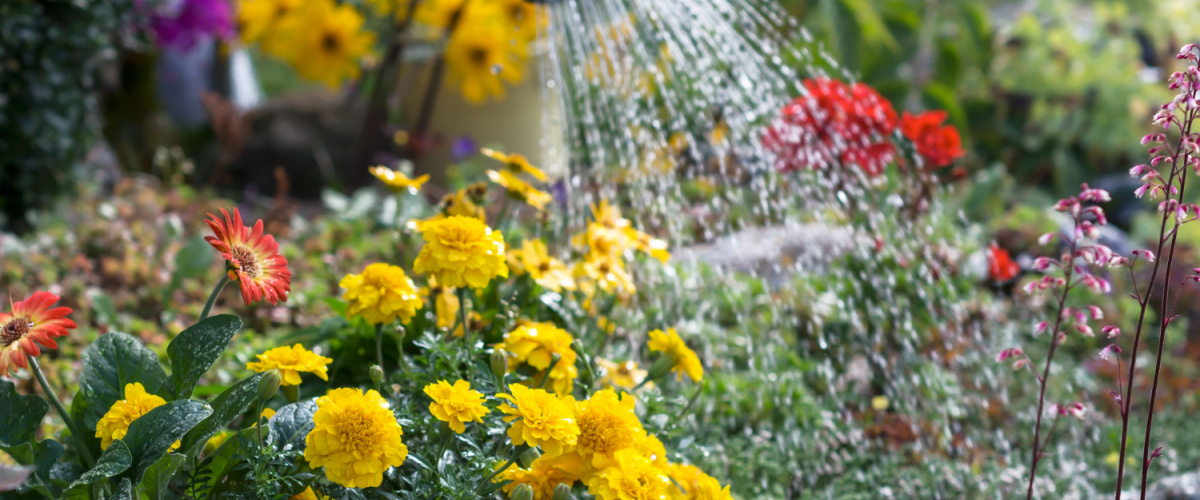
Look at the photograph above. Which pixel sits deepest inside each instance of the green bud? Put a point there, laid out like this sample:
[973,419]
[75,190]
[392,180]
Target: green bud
[522,492]
[499,363]
[268,385]
[562,492]
[661,366]
[291,392]
[376,374]
[528,456]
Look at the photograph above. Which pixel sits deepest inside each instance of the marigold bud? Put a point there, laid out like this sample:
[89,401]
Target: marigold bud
[528,456]
[376,373]
[268,385]
[499,363]
[562,492]
[522,492]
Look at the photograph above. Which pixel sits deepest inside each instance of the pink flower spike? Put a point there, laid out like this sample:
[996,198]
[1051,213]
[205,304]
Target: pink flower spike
[1154,454]
[1011,352]
[1040,327]
[1096,312]
[1077,410]
[1043,263]
[1118,261]
[1046,238]
[1108,351]
[1111,331]
[1018,364]
[1115,396]
[1139,192]
[1085,330]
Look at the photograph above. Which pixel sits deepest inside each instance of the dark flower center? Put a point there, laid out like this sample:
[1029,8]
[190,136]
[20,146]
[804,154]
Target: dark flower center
[14,330]
[478,56]
[330,43]
[544,266]
[247,262]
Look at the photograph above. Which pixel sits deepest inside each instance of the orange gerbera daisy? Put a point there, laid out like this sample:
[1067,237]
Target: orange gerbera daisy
[33,321]
[252,257]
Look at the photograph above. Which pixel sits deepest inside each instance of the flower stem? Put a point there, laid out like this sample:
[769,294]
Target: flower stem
[511,460]
[212,298]
[76,433]
[379,349]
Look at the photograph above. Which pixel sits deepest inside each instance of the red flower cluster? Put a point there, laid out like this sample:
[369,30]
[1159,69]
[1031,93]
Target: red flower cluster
[836,123]
[937,144]
[1001,267]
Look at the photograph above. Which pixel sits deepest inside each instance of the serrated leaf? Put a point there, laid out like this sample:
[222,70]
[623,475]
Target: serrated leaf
[292,423]
[195,350]
[19,415]
[115,460]
[158,476]
[226,407]
[111,362]
[152,434]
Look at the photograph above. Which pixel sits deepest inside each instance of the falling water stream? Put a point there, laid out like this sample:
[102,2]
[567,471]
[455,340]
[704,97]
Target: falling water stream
[663,105]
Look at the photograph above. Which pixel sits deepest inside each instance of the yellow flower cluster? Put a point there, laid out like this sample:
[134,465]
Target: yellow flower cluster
[322,40]
[541,419]
[683,359]
[516,187]
[548,272]
[535,344]
[456,404]
[461,251]
[115,422]
[355,438]
[290,361]
[445,302]
[381,294]
[621,375]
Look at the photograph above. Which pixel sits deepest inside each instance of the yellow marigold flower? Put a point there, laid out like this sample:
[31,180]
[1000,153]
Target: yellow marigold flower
[633,476]
[381,294]
[291,361]
[649,446]
[115,422]
[607,272]
[267,413]
[622,375]
[520,189]
[685,359]
[456,404]
[694,484]
[544,474]
[545,270]
[515,162]
[539,418]
[461,251]
[445,302]
[308,494]
[474,322]
[397,181]
[535,344]
[257,19]
[607,424]
[325,41]
[355,438]
[621,234]
[216,441]
[481,55]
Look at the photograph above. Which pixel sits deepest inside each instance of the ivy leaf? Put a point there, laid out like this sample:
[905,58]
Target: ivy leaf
[292,423]
[19,415]
[158,476]
[226,407]
[152,434]
[115,460]
[195,350]
[111,362]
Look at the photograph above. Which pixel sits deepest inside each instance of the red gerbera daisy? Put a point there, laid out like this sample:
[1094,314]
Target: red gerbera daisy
[938,144]
[1001,267]
[253,258]
[33,321]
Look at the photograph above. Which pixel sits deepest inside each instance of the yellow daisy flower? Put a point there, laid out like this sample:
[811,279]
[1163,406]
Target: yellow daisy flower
[515,162]
[535,344]
[456,404]
[461,251]
[115,422]
[308,494]
[381,294]
[481,55]
[258,19]
[545,270]
[607,424]
[543,475]
[522,15]
[324,41]
[621,375]
[694,484]
[685,359]
[355,438]
[539,418]
[520,189]
[622,235]
[606,271]
[291,361]
[397,181]
[633,476]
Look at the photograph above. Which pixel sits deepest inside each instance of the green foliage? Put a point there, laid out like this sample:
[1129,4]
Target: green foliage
[114,360]
[194,351]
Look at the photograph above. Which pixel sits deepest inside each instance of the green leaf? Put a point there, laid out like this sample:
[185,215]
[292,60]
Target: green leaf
[158,476]
[194,351]
[226,407]
[115,460]
[152,434]
[123,491]
[111,362]
[292,423]
[19,415]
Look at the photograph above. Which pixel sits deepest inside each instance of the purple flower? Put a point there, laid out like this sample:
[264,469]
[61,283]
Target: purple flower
[462,148]
[191,21]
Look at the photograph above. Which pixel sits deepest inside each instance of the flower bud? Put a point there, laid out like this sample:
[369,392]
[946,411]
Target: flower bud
[528,456]
[291,392]
[522,492]
[562,492]
[268,385]
[499,363]
[661,366]
[376,374]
